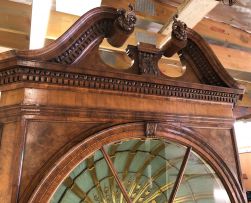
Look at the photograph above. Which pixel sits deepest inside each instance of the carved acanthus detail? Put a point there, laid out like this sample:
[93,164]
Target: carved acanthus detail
[145,58]
[126,20]
[147,63]
[179,29]
[150,129]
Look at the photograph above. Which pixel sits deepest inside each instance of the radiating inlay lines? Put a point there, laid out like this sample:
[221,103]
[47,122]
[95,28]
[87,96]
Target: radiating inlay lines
[69,183]
[100,197]
[112,151]
[141,171]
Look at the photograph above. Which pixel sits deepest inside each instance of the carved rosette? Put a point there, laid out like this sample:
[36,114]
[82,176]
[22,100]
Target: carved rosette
[179,29]
[123,26]
[126,20]
[150,129]
[178,38]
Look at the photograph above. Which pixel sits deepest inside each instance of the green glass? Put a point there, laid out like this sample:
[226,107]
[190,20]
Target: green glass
[90,182]
[200,184]
[147,168]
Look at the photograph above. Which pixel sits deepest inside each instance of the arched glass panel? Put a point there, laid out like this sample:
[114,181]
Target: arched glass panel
[200,183]
[91,181]
[147,168]
[149,171]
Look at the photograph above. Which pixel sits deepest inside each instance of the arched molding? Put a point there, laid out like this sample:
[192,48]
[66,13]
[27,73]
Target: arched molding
[84,36]
[206,64]
[53,177]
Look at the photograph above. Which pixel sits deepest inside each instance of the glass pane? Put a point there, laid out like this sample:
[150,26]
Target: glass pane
[147,168]
[200,184]
[90,182]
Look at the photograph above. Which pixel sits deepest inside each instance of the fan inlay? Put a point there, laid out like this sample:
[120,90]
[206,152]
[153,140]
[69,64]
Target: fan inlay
[149,171]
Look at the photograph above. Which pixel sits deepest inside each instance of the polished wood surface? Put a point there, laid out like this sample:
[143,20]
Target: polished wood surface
[60,103]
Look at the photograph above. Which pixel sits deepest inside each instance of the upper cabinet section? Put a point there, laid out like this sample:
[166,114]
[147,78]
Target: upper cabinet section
[76,55]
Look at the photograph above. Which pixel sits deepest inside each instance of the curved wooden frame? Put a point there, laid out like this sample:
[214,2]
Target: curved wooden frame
[72,34]
[68,64]
[63,166]
[211,60]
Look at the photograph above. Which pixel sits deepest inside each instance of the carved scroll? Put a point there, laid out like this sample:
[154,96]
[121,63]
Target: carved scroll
[86,35]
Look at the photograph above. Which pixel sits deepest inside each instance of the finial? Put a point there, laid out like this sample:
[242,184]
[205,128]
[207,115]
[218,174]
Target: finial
[127,20]
[179,29]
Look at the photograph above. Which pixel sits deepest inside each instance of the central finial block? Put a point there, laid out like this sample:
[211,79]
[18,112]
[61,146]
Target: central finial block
[146,57]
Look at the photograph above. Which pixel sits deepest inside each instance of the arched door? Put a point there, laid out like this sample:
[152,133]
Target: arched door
[127,164]
[138,170]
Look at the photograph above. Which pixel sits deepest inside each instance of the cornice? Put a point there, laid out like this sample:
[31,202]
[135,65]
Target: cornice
[113,83]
